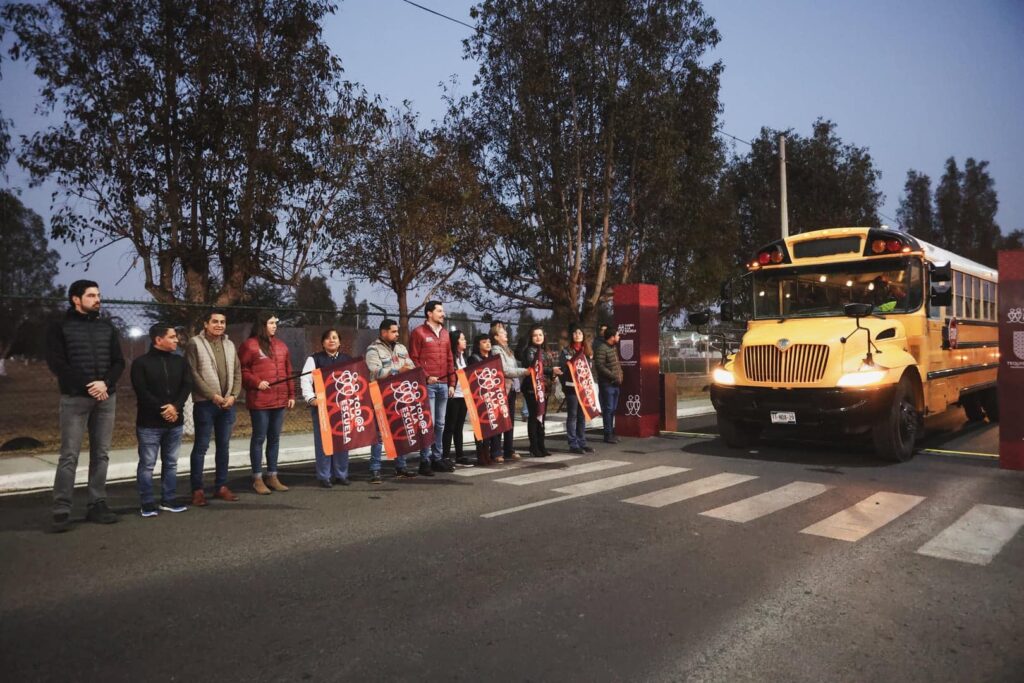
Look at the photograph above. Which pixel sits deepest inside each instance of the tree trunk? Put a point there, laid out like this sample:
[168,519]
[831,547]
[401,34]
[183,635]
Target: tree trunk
[403,317]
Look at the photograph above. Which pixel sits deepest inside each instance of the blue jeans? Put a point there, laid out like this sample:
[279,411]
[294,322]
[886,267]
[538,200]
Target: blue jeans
[575,420]
[327,466]
[437,395]
[266,426]
[377,451]
[162,441]
[211,420]
[609,402]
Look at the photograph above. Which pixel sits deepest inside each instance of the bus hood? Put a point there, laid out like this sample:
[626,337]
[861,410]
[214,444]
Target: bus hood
[831,331]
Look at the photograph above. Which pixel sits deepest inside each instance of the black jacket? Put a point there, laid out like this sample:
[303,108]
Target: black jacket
[81,349]
[160,378]
[528,357]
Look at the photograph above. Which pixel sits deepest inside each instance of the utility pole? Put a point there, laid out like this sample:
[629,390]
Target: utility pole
[783,203]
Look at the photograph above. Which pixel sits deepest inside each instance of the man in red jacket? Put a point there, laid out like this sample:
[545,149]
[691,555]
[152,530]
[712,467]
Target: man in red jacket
[431,349]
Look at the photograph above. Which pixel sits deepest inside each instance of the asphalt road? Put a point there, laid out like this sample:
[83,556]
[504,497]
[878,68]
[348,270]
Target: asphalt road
[411,581]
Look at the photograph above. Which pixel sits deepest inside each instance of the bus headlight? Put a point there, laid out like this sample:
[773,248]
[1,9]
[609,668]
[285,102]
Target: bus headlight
[722,376]
[866,376]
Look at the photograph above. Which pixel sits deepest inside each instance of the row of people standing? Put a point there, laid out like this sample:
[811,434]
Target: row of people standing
[532,355]
[83,351]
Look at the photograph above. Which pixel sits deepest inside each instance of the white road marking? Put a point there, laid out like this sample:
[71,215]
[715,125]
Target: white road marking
[596,486]
[513,465]
[766,503]
[691,489]
[978,536]
[570,471]
[620,480]
[871,514]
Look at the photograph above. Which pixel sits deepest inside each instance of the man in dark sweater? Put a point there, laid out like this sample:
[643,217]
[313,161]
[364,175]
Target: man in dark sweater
[162,382]
[84,352]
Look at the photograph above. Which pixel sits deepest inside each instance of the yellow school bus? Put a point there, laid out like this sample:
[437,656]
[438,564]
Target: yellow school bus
[856,330]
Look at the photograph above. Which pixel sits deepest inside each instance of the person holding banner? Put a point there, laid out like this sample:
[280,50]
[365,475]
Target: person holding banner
[430,349]
[267,377]
[455,412]
[488,451]
[539,365]
[578,350]
[334,467]
[385,357]
[513,376]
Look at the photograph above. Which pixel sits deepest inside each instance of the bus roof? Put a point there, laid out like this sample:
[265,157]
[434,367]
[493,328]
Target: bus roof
[932,253]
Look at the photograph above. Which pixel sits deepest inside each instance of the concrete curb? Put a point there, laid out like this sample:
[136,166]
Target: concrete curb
[33,473]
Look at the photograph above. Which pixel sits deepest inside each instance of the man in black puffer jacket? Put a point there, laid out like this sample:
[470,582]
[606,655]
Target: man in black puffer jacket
[162,383]
[84,352]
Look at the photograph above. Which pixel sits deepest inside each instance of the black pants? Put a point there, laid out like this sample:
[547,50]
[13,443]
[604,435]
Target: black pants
[535,427]
[454,421]
[508,436]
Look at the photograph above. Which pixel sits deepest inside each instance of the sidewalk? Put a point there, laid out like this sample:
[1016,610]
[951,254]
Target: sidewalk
[27,473]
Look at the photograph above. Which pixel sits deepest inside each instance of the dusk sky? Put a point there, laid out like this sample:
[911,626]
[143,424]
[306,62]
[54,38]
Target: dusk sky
[915,82]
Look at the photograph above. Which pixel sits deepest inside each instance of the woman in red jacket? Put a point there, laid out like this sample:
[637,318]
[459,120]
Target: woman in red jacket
[266,375]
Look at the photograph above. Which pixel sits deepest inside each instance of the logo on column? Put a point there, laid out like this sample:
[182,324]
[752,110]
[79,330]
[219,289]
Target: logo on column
[626,349]
[1018,345]
[1015,315]
[633,405]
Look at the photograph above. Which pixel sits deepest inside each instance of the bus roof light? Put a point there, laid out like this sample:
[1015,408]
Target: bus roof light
[877,246]
[894,245]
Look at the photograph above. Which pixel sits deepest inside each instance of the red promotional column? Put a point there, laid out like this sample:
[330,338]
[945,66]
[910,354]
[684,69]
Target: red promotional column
[636,317]
[1011,360]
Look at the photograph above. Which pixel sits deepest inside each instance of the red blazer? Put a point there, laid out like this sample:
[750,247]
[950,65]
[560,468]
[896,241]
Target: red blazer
[257,367]
[433,353]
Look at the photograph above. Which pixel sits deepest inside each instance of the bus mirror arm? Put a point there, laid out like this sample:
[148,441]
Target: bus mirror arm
[858,311]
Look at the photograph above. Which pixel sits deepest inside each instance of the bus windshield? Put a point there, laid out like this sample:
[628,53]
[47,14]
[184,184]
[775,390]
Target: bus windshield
[892,285]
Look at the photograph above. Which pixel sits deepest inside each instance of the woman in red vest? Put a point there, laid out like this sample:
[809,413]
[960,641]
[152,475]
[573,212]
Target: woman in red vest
[267,377]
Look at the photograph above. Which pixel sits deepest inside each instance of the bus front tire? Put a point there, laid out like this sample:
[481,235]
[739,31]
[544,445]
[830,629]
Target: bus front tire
[738,434]
[973,407]
[897,428]
[990,403]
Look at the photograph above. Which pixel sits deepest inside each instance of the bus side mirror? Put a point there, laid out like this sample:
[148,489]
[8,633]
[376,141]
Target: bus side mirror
[941,294]
[857,310]
[725,312]
[699,318]
[941,272]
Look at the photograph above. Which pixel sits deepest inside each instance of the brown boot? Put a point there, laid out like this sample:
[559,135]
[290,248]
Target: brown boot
[275,483]
[483,454]
[198,498]
[224,493]
[259,487]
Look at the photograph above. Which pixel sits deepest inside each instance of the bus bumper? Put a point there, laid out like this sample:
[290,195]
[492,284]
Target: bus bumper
[844,410]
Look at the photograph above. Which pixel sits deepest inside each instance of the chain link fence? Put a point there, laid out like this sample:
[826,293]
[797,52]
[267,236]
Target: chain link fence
[29,392]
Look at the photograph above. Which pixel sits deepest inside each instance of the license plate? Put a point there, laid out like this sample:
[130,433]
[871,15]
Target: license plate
[783,417]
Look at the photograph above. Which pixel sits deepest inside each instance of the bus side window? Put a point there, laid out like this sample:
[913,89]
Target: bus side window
[915,290]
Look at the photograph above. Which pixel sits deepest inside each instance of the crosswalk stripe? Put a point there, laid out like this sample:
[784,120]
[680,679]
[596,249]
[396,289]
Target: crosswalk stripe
[766,503]
[977,536]
[596,486]
[525,462]
[691,489]
[620,480]
[870,514]
[570,471]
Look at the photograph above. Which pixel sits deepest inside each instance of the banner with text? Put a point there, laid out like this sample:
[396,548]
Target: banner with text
[586,389]
[483,385]
[403,412]
[344,409]
[537,379]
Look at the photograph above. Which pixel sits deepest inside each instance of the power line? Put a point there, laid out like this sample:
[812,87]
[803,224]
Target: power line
[443,16]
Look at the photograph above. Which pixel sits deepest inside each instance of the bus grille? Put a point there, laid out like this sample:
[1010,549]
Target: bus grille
[801,363]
